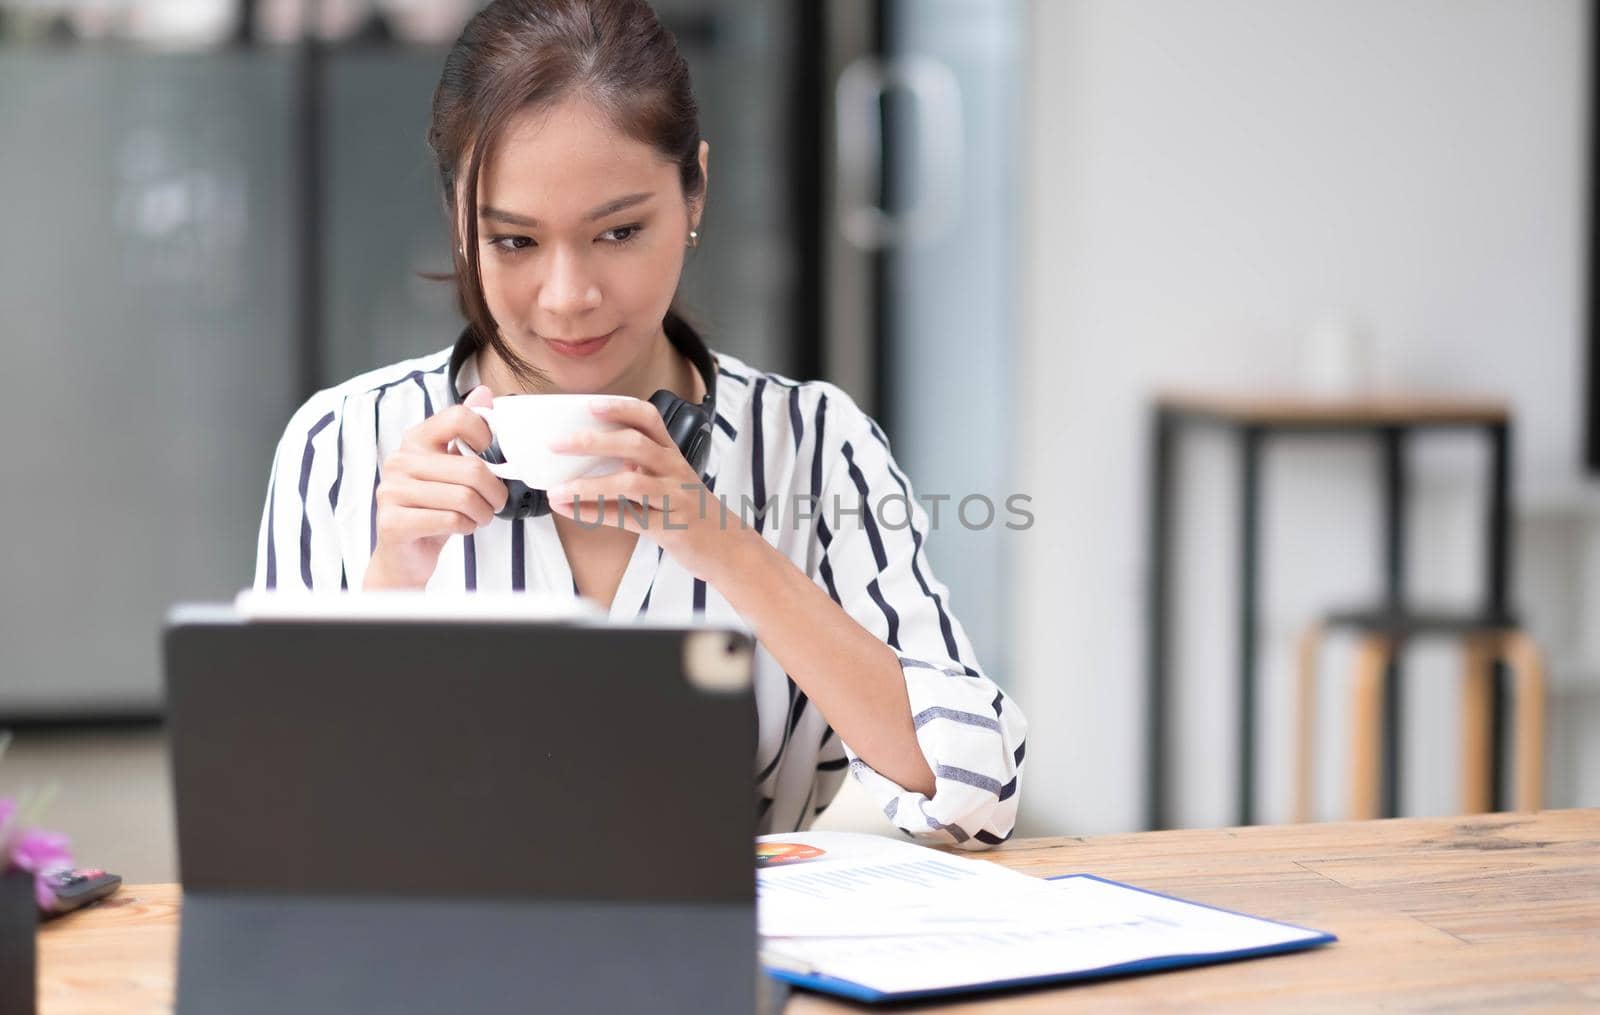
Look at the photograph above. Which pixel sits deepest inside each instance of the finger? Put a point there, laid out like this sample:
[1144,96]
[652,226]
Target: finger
[636,413]
[400,525]
[462,470]
[629,445]
[639,487]
[437,431]
[409,492]
[606,513]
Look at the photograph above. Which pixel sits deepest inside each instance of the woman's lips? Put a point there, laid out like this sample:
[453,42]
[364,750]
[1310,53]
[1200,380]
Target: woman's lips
[580,348]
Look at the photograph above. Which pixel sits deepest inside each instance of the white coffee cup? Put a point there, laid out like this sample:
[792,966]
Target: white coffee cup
[525,425]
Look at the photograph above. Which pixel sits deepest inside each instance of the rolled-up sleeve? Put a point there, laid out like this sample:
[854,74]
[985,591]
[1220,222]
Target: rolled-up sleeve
[871,543]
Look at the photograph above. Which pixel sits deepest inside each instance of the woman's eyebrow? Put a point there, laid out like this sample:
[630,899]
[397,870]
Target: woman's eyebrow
[609,208]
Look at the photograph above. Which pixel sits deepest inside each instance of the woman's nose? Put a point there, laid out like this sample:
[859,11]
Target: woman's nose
[569,287]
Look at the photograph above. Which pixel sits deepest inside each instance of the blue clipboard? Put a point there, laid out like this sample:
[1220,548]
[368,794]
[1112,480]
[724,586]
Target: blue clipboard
[857,992]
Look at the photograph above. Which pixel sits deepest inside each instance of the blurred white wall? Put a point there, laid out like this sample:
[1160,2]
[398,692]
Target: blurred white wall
[1207,179]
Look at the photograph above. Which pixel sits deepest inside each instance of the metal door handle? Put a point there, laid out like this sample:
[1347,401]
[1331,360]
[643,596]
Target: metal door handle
[858,126]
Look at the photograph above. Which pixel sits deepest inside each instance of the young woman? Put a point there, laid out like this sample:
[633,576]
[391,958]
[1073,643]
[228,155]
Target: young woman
[574,176]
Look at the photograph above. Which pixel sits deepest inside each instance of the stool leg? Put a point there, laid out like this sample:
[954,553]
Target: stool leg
[1306,724]
[1477,686]
[1366,714]
[1527,709]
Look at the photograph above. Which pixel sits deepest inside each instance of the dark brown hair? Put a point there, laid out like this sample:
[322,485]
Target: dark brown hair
[520,54]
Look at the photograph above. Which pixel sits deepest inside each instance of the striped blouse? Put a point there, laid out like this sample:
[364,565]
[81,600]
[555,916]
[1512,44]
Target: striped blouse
[807,468]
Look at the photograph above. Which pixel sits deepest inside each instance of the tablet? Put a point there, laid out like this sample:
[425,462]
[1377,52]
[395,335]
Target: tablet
[461,815]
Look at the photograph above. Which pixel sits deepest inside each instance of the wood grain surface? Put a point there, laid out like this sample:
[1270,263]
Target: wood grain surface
[1488,912]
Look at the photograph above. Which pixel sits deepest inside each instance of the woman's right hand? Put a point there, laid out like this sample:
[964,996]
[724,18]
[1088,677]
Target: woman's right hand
[427,493]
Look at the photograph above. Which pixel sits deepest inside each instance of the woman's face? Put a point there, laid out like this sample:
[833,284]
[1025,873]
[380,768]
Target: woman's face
[581,234]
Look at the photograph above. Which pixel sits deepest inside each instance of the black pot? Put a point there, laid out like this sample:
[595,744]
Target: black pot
[19,922]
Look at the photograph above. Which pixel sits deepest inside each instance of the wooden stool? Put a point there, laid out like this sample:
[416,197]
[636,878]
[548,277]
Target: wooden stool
[1483,645]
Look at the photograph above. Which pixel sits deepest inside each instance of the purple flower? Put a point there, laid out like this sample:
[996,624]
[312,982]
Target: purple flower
[33,850]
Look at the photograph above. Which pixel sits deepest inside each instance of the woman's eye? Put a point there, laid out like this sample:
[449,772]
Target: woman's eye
[512,242]
[621,234]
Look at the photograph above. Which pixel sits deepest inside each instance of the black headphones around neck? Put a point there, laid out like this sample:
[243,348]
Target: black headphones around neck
[688,424]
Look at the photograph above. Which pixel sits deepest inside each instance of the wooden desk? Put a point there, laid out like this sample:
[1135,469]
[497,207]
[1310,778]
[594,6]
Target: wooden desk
[1499,911]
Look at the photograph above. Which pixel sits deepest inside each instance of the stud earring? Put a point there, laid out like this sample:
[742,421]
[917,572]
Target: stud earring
[694,238]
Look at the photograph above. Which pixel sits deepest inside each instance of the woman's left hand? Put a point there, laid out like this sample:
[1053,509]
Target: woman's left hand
[678,513]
